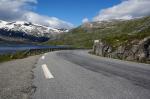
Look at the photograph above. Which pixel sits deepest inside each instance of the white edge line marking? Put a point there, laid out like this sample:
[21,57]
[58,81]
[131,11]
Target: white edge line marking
[47,72]
[43,57]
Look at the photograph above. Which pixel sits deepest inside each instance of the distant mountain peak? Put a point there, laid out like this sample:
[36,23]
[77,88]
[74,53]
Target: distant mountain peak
[28,28]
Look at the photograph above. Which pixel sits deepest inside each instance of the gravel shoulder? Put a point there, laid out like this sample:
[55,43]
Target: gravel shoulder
[16,78]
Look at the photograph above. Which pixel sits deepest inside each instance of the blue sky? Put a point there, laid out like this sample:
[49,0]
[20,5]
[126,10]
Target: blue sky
[73,10]
[70,13]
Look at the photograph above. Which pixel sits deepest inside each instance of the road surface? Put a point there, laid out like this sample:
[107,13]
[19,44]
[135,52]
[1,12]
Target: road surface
[79,75]
[16,78]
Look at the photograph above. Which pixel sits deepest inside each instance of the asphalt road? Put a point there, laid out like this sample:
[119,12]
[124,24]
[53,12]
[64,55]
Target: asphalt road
[79,75]
[16,78]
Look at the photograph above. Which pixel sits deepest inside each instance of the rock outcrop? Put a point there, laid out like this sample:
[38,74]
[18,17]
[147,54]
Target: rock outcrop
[101,48]
[134,51]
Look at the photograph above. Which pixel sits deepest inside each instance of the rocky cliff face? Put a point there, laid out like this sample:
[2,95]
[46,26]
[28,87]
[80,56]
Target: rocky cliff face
[133,51]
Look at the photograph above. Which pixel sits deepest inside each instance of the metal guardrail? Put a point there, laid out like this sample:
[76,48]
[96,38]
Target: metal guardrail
[44,50]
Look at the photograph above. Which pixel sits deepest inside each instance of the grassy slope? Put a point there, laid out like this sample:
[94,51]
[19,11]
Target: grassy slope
[8,57]
[17,55]
[115,33]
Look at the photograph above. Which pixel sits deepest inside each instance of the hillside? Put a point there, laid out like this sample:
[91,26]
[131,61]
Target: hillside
[114,32]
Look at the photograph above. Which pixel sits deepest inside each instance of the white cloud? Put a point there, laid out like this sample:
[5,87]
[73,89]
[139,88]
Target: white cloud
[45,20]
[127,9]
[85,20]
[21,10]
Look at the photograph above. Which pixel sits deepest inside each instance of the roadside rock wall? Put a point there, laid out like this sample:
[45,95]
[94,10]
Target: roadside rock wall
[135,51]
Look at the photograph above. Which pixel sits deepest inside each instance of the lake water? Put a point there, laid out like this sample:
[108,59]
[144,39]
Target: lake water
[12,48]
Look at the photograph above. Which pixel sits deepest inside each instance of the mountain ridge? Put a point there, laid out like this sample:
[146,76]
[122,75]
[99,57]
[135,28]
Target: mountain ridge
[27,31]
[115,33]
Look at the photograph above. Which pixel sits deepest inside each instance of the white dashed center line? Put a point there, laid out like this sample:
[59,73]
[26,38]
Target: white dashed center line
[43,57]
[47,72]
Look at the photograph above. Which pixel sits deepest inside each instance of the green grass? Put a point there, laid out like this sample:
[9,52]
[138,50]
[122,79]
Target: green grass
[17,55]
[5,58]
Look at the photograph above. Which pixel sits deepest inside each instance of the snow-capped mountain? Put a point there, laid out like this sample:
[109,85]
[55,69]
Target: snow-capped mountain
[21,30]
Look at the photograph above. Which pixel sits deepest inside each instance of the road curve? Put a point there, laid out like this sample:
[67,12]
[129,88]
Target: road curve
[79,75]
